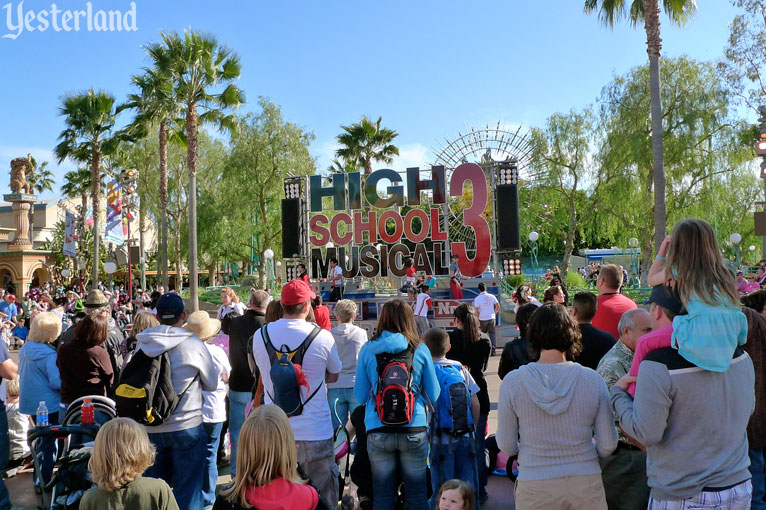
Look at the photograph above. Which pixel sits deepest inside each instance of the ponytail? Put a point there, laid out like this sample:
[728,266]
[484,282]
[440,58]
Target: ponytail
[466,314]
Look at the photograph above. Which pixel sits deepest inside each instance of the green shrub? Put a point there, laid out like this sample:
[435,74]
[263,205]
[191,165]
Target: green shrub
[515,280]
[576,281]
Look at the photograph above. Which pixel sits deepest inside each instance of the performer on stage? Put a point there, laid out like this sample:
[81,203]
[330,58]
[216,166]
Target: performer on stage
[303,274]
[336,275]
[456,288]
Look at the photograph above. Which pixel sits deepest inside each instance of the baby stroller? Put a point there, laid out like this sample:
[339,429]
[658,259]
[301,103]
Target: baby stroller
[70,478]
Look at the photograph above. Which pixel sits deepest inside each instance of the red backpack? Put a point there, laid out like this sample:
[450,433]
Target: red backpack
[395,399]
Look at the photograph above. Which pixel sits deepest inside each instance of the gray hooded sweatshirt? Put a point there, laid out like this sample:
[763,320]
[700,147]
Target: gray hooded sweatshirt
[550,414]
[188,358]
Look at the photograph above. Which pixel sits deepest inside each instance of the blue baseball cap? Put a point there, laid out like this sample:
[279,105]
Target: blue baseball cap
[170,306]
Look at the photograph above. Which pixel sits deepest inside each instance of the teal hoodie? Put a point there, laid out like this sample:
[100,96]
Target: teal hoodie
[423,378]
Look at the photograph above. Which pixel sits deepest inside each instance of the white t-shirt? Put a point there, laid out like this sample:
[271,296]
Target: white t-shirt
[314,423]
[485,303]
[214,402]
[421,304]
[337,275]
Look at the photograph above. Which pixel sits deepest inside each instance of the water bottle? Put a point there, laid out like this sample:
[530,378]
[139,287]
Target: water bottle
[87,415]
[42,414]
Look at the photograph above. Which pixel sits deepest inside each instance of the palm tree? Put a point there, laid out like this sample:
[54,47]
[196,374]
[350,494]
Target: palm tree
[648,12]
[364,142]
[77,184]
[90,135]
[198,66]
[40,180]
[157,106]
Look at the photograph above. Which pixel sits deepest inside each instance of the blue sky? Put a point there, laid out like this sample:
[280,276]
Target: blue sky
[429,68]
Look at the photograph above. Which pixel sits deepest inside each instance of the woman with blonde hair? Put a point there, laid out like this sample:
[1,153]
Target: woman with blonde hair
[121,454]
[229,303]
[143,320]
[40,380]
[349,339]
[267,467]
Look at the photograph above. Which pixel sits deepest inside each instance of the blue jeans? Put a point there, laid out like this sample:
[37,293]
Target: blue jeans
[454,460]
[46,451]
[341,400]
[179,455]
[395,457]
[210,480]
[758,471]
[238,400]
[481,458]
[5,450]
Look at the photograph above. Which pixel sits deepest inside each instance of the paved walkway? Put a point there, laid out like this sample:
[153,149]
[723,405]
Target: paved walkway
[500,488]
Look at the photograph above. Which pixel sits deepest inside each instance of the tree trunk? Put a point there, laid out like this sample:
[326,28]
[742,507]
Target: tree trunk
[191,160]
[568,246]
[261,273]
[95,168]
[211,274]
[179,269]
[163,239]
[653,48]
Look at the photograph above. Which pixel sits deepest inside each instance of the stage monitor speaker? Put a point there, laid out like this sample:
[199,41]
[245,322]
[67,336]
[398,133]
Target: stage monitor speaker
[508,231]
[135,254]
[291,228]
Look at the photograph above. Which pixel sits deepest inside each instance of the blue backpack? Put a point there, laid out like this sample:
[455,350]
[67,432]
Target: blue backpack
[287,391]
[452,414]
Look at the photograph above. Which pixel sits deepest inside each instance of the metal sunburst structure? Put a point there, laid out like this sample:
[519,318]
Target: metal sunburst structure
[484,146]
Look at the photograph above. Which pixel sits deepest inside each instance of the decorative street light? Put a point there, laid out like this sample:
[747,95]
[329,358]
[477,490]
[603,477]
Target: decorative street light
[735,239]
[533,237]
[633,243]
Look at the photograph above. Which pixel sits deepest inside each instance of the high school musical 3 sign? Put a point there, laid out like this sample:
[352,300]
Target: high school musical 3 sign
[376,224]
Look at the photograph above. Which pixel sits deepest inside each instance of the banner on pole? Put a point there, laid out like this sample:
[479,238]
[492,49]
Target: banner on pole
[113,227]
[70,248]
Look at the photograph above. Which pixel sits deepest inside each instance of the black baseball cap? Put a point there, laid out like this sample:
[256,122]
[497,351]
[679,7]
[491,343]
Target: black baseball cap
[666,297]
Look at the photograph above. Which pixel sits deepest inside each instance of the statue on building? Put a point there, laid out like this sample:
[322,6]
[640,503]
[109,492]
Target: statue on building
[20,168]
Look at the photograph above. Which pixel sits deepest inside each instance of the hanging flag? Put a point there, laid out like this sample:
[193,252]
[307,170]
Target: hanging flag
[113,227]
[70,248]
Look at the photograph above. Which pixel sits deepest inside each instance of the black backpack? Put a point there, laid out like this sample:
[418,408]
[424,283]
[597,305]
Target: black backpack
[145,392]
[287,391]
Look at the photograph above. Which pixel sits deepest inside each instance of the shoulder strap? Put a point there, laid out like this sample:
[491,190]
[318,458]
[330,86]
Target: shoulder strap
[270,350]
[304,346]
[518,354]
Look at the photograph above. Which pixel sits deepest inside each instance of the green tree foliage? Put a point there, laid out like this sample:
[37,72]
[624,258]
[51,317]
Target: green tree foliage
[566,171]
[703,149]
[264,150]
[648,12]
[744,63]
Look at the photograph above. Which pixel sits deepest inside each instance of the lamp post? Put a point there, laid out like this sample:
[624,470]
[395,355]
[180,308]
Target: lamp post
[533,237]
[633,243]
[735,239]
[268,267]
[752,252]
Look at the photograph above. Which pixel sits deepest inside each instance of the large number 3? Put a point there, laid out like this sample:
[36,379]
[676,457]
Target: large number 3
[472,217]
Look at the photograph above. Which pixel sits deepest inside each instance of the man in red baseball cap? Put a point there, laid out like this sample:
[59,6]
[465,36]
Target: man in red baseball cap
[9,307]
[316,361]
